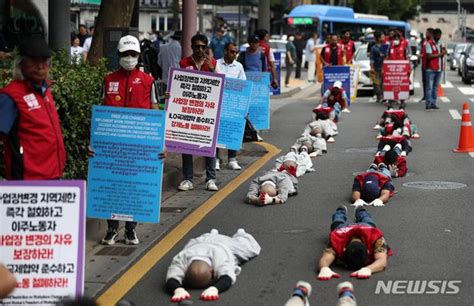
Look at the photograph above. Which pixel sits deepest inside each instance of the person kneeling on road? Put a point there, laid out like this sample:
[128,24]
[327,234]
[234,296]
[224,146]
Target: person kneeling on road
[209,261]
[373,187]
[391,155]
[336,98]
[360,246]
[274,187]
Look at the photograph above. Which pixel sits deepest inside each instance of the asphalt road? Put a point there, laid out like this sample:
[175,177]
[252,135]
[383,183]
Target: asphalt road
[430,231]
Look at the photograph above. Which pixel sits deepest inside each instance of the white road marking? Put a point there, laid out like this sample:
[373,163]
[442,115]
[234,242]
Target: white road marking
[447,85]
[468,91]
[417,85]
[455,114]
[445,99]
[471,154]
[472,99]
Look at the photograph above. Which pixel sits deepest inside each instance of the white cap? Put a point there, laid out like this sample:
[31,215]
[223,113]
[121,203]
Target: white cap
[338,84]
[128,43]
[369,30]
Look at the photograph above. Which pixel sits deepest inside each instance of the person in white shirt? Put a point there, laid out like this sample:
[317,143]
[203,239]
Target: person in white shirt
[311,57]
[88,41]
[78,53]
[232,69]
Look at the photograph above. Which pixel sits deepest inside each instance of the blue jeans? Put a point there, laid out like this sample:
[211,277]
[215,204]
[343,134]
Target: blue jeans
[336,112]
[188,168]
[383,169]
[339,219]
[432,82]
[231,154]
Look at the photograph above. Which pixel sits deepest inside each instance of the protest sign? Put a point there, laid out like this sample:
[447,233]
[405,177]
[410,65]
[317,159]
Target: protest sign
[192,111]
[354,82]
[259,110]
[235,105]
[332,74]
[42,239]
[126,171]
[277,91]
[396,80]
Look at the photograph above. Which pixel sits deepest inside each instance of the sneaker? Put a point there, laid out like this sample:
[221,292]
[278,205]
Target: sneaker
[211,185]
[398,145]
[435,107]
[186,185]
[386,148]
[376,127]
[374,167]
[218,164]
[259,138]
[331,140]
[131,237]
[110,238]
[234,165]
[302,290]
[342,207]
[415,136]
[382,165]
[404,153]
[359,209]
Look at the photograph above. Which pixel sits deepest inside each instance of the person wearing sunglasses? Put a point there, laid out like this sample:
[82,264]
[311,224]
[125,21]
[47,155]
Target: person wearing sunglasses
[200,60]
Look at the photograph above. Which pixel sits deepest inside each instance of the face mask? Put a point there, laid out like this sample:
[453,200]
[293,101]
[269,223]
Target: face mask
[129,62]
[152,37]
[291,38]
[396,42]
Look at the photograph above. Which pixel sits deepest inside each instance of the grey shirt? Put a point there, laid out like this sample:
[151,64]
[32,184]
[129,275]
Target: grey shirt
[169,57]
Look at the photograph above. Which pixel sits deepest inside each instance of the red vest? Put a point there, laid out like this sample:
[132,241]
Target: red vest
[38,135]
[340,237]
[264,47]
[398,139]
[388,128]
[323,110]
[397,52]
[401,164]
[349,48]
[128,89]
[433,63]
[383,179]
[327,54]
[336,98]
[399,113]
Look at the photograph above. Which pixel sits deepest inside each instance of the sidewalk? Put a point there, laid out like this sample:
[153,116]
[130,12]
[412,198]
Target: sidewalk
[296,85]
[104,264]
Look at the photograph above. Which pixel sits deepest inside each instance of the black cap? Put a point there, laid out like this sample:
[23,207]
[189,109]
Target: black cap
[34,47]
[177,35]
[253,39]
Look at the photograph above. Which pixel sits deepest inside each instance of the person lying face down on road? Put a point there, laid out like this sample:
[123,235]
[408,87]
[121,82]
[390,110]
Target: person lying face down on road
[373,187]
[209,261]
[274,186]
[391,155]
[322,125]
[334,97]
[303,162]
[394,139]
[313,143]
[360,246]
[397,122]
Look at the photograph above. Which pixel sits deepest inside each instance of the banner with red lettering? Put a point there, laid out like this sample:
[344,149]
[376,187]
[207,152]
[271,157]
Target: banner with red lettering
[396,79]
[42,238]
[193,111]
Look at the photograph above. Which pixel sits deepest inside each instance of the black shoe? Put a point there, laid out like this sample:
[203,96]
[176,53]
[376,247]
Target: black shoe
[110,238]
[374,166]
[342,207]
[427,107]
[435,107]
[325,151]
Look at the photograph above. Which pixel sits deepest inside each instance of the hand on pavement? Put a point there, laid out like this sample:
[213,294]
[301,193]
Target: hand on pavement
[358,203]
[326,274]
[363,273]
[393,170]
[376,202]
[180,294]
[210,294]
[265,198]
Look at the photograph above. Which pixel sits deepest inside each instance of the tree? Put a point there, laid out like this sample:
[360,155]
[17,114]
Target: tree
[394,9]
[112,13]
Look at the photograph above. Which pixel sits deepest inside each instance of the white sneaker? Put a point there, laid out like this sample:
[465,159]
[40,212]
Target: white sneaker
[211,185]
[186,185]
[404,153]
[234,165]
[376,127]
[386,148]
[218,164]
[331,140]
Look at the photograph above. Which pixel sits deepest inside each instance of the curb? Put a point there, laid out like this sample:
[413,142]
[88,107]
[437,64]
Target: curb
[291,92]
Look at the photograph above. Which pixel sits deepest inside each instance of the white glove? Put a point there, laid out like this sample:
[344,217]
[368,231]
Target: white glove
[393,170]
[210,294]
[376,202]
[359,202]
[326,274]
[362,273]
[180,294]
[346,110]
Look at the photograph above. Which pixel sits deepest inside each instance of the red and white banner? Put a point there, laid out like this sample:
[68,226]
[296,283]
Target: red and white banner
[396,80]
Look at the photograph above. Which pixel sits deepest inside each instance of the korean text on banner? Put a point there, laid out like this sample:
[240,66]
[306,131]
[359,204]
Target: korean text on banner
[354,81]
[259,110]
[396,80]
[42,239]
[235,105]
[126,171]
[332,74]
[193,111]
[277,91]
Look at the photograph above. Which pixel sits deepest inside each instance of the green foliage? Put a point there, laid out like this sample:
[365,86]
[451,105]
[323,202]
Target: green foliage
[394,9]
[75,88]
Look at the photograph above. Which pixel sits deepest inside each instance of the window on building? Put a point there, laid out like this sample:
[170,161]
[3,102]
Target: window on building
[153,22]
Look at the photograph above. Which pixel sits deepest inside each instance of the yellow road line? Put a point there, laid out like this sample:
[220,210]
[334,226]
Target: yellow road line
[133,275]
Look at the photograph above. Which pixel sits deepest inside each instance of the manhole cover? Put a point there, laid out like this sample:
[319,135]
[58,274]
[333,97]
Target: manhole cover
[434,185]
[361,150]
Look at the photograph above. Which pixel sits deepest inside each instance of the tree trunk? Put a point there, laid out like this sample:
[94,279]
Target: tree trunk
[112,13]
[175,9]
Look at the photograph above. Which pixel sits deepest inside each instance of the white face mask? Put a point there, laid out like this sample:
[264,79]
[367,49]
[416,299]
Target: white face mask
[291,38]
[396,42]
[129,62]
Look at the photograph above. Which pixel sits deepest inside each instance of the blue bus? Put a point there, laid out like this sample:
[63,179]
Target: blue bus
[325,19]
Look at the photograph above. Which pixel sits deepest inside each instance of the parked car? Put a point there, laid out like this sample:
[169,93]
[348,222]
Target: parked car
[468,65]
[455,56]
[461,60]
[365,83]
[450,49]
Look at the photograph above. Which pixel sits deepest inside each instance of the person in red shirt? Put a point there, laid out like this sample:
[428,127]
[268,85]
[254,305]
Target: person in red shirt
[391,155]
[264,37]
[360,246]
[200,60]
[428,36]
[332,54]
[349,46]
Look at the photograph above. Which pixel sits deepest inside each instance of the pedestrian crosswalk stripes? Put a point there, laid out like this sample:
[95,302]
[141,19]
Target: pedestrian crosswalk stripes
[445,99]
[472,99]
[417,85]
[468,91]
[447,85]
[455,114]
